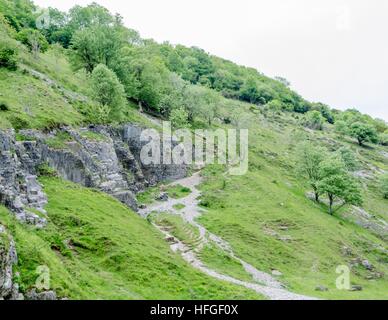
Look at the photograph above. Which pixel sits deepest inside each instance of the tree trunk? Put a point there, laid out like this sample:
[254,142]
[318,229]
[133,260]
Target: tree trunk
[360,142]
[316,194]
[140,107]
[331,199]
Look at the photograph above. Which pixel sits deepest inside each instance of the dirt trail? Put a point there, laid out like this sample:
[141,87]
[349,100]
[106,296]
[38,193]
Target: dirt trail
[263,283]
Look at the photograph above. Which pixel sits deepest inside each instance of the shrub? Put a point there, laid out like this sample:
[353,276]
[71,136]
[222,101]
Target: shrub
[46,171]
[384,138]
[18,122]
[4,106]
[34,40]
[108,91]
[8,55]
[363,132]
[314,120]
[179,118]
[383,184]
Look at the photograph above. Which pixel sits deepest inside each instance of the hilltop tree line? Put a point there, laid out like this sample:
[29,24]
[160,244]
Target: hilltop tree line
[172,81]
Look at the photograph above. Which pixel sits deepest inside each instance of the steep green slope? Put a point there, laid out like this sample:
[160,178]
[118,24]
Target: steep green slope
[271,224]
[96,248]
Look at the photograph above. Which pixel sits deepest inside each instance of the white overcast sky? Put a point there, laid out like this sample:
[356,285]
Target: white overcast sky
[333,51]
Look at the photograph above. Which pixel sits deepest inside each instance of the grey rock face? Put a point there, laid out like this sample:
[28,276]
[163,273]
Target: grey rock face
[42,296]
[8,258]
[100,157]
[19,189]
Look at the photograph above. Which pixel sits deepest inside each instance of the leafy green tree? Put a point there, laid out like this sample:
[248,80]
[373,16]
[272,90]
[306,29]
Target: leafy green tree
[95,45]
[210,106]
[383,183]
[363,132]
[108,91]
[341,127]
[349,159]
[384,138]
[309,159]
[179,118]
[194,101]
[337,183]
[8,54]
[325,111]
[91,15]
[249,91]
[314,120]
[34,40]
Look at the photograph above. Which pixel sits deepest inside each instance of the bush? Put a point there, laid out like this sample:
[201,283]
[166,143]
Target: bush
[8,55]
[18,122]
[179,118]
[383,183]
[4,106]
[384,138]
[34,40]
[314,120]
[108,91]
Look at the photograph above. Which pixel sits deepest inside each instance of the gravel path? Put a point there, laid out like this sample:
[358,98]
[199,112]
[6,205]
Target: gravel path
[263,283]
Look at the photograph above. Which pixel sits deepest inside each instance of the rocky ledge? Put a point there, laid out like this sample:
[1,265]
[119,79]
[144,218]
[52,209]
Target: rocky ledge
[102,157]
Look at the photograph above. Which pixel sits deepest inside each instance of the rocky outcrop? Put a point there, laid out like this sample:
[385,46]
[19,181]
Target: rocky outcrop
[19,189]
[101,157]
[8,258]
[365,220]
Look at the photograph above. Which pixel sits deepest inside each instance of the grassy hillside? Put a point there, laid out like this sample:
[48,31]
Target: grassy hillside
[96,248]
[267,218]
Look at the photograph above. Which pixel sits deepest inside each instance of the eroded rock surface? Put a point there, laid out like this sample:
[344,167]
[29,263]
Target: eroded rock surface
[100,157]
[8,258]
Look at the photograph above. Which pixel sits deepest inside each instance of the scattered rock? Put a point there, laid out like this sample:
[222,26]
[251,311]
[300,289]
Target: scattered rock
[45,295]
[171,240]
[285,238]
[162,197]
[321,288]
[8,258]
[346,251]
[356,288]
[142,206]
[367,265]
[276,273]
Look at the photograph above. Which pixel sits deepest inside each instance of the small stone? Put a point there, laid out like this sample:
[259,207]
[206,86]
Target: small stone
[142,206]
[367,265]
[162,197]
[276,273]
[356,288]
[321,288]
[170,239]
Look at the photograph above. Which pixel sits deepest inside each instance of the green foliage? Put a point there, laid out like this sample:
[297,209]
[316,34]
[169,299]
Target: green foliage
[59,140]
[363,132]
[349,159]
[383,184]
[19,14]
[8,54]
[314,120]
[179,118]
[95,45]
[4,106]
[45,170]
[108,91]
[309,160]
[337,183]
[341,127]
[383,138]
[34,40]
[325,111]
